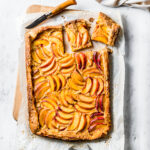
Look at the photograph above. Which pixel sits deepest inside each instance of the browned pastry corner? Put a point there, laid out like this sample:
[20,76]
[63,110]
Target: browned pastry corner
[77,34]
[68,94]
[106,30]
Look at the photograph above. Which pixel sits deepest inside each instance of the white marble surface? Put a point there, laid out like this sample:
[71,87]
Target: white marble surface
[137,103]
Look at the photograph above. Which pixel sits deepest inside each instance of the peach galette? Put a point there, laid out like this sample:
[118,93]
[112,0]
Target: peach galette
[68,93]
[78,35]
[106,30]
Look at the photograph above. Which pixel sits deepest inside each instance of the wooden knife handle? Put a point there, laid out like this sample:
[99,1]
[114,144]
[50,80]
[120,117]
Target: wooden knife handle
[62,6]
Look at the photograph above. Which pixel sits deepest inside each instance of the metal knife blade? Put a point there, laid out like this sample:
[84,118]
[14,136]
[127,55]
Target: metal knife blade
[39,20]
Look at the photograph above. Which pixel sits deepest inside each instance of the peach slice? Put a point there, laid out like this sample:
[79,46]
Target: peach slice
[47,52]
[95,86]
[41,54]
[82,123]
[96,114]
[74,86]
[92,127]
[96,119]
[85,38]
[67,64]
[68,109]
[79,109]
[69,100]
[38,80]
[65,116]
[59,44]
[49,117]
[42,116]
[51,101]
[62,99]
[101,102]
[63,80]
[52,83]
[40,42]
[75,121]
[62,121]
[67,70]
[101,86]
[40,85]
[86,99]
[89,71]
[52,97]
[57,34]
[86,105]
[78,61]
[66,59]
[47,63]
[83,60]
[88,86]
[47,104]
[79,40]
[49,67]
[52,71]
[53,48]
[58,82]
[35,57]
[71,36]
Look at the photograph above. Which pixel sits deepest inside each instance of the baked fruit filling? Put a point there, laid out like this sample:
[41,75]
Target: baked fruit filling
[68,93]
[106,30]
[78,35]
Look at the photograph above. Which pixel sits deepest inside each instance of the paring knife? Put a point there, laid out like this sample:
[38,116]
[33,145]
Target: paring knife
[55,11]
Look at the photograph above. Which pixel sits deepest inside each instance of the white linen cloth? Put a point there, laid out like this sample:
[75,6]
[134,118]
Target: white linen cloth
[130,3]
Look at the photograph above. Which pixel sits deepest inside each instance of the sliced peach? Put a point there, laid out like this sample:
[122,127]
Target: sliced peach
[71,36]
[62,99]
[86,99]
[62,121]
[51,101]
[63,80]
[96,114]
[59,44]
[50,115]
[86,105]
[75,121]
[49,67]
[40,54]
[85,38]
[65,116]
[83,60]
[52,83]
[101,86]
[95,86]
[47,63]
[69,100]
[78,61]
[67,64]
[57,34]
[42,116]
[67,70]
[66,59]
[35,57]
[89,71]
[40,85]
[96,119]
[92,127]
[68,109]
[82,123]
[53,48]
[78,40]
[83,110]
[58,82]
[40,42]
[74,86]
[47,104]
[47,52]
[88,86]
[38,80]
[52,71]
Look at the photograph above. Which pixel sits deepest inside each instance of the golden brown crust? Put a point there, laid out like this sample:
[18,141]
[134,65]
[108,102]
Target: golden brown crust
[106,30]
[33,114]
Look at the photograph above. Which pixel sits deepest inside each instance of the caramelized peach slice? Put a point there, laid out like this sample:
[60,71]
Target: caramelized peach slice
[78,61]
[86,99]
[83,60]
[74,86]
[51,101]
[58,82]
[68,109]
[101,86]
[69,100]
[39,42]
[41,92]
[42,116]
[47,52]
[89,71]
[66,59]
[95,86]
[35,57]
[57,34]
[75,121]
[47,104]
[82,123]
[47,63]
[62,121]
[41,54]
[85,38]
[83,110]
[88,86]
[38,80]
[86,105]
[52,71]
[65,116]
[52,83]
[79,40]
[67,70]
[62,99]
[63,80]
[49,117]
[67,64]
[71,37]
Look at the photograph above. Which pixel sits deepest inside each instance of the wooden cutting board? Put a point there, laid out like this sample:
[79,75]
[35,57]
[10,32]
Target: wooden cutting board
[18,95]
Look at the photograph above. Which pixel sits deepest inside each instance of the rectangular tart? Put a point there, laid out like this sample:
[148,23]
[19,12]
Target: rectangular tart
[68,94]
[106,30]
[78,35]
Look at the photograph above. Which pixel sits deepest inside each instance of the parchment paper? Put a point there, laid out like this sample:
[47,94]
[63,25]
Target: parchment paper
[115,141]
